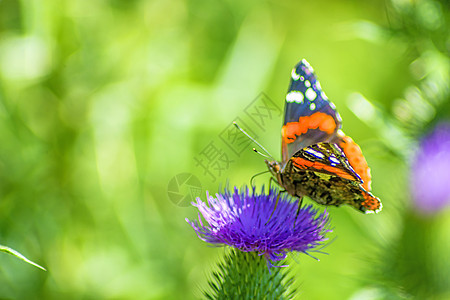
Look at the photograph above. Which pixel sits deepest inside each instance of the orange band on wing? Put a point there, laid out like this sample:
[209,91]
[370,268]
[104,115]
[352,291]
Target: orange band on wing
[306,164]
[371,202]
[356,160]
[318,120]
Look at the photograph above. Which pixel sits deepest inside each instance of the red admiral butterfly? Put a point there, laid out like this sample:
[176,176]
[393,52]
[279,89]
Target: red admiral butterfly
[318,159]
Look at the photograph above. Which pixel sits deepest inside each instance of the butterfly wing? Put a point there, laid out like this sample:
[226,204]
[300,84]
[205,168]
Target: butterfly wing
[309,117]
[355,158]
[318,159]
[323,173]
[323,158]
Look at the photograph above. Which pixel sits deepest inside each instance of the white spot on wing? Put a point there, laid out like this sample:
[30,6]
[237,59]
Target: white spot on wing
[307,83]
[315,153]
[312,106]
[302,78]
[294,96]
[324,96]
[310,94]
[334,160]
[307,65]
[294,75]
[318,86]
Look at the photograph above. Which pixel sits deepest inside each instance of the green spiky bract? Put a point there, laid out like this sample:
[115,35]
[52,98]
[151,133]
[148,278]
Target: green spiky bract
[245,275]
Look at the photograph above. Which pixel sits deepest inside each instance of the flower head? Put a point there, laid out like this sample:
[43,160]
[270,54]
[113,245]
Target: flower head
[430,176]
[248,222]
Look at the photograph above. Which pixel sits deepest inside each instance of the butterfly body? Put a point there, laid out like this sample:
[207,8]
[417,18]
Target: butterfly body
[318,159]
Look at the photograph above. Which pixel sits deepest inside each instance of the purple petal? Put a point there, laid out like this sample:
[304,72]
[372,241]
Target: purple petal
[430,173]
[247,221]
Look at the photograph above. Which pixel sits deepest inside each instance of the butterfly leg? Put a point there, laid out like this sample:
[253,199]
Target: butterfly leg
[298,210]
[276,204]
[270,182]
[279,193]
[257,174]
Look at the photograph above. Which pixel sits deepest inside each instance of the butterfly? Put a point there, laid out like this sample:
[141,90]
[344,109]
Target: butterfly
[318,160]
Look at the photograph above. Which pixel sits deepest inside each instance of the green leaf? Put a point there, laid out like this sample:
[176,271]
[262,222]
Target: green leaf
[18,255]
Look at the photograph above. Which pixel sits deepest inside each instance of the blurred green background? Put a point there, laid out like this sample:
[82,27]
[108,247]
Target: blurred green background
[102,103]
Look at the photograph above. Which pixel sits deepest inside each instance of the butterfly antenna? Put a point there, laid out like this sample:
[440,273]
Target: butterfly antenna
[262,154]
[254,141]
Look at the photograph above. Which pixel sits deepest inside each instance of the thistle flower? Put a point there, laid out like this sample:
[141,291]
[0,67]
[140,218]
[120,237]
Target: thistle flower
[249,222]
[430,175]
